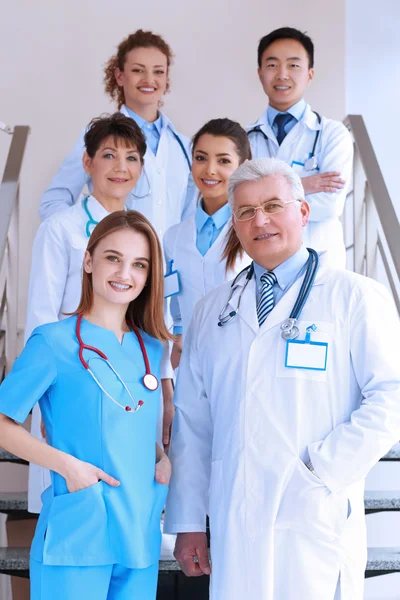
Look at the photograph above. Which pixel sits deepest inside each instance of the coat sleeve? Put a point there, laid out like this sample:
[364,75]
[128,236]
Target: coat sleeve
[336,155]
[191,444]
[348,453]
[33,373]
[67,184]
[49,271]
[174,308]
[192,193]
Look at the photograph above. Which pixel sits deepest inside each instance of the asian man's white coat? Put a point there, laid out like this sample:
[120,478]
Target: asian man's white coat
[334,152]
[245,426]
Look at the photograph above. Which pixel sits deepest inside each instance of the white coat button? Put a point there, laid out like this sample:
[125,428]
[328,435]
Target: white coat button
[159,201]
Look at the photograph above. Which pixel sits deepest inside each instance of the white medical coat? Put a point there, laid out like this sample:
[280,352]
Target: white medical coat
[198,274]
[245,425]
[166,189]
[334,152]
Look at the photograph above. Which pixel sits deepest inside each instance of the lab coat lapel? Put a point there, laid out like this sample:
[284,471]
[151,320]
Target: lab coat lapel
[248,310]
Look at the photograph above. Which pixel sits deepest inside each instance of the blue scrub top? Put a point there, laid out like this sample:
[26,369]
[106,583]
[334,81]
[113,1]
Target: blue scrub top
[101,524]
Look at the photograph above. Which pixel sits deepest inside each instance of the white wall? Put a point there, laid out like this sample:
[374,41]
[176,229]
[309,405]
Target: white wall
[53,53]
[373,78]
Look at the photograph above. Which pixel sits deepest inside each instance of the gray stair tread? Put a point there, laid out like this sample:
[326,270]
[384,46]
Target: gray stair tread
[8,457]
[14,559]
[383,559]
[378,500]
[394,453]
[373,500]
[13,501]
[379,559]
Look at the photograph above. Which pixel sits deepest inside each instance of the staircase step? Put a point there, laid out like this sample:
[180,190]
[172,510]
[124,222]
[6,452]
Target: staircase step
[380,560]
[7,457]
[379,501]
[374,501]
[394,453]
[11,502]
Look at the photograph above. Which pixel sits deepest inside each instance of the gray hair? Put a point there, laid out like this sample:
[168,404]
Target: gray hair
[256,169]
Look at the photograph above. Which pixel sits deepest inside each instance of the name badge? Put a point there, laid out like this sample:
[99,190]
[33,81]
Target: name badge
[305,354]
[171,281]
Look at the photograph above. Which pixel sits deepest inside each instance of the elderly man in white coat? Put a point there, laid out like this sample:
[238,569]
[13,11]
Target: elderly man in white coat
[273,438]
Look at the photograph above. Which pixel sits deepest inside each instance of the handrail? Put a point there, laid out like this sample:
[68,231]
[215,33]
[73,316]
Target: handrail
[9,242]
[375,230]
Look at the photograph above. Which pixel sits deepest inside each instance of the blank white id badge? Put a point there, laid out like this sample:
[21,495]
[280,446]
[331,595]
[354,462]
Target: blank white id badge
[305,354]
[171,281]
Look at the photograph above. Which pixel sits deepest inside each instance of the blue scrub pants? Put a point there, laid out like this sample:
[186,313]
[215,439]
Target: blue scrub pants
[111,582]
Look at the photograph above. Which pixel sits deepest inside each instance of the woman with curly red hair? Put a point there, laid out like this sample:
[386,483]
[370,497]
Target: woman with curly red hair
[137,77]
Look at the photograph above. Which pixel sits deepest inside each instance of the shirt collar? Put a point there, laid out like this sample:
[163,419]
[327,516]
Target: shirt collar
[143,124]
[297,111]
[219,218]
[96,210]
[286,272]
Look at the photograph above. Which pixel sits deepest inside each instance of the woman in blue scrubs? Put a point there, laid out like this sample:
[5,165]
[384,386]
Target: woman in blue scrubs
[95,377]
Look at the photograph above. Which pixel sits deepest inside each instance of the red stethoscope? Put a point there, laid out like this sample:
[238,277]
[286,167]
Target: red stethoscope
[149,380]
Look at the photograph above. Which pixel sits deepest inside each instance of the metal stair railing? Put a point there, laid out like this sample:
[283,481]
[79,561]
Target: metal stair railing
[370,224]
[9,243]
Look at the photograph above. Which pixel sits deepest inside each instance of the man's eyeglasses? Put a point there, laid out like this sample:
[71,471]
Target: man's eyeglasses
[272,207]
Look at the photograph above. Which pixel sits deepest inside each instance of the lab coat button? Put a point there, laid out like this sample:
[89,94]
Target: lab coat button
[159,201]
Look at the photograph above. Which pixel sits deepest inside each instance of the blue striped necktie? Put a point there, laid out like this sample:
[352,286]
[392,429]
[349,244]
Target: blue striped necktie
[266,300]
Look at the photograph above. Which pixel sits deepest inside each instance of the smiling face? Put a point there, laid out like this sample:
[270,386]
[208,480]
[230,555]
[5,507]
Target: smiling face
[119,266]
[270,239]
[215,158]
[114,170]
[144,78]
[285,73]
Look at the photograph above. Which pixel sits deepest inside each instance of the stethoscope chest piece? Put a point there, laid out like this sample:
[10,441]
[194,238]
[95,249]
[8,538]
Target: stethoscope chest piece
[311,164]
[290,331]
[150,382]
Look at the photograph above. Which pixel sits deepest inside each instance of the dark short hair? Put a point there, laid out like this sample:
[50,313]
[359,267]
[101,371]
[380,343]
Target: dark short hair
[230,129]
[287,33]
[120,128]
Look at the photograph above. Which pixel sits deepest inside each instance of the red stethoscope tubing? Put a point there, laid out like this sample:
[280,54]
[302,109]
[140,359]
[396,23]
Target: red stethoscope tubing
[83,346]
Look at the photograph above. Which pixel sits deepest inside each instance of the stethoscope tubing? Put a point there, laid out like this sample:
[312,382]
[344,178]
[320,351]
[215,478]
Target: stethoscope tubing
[258,129]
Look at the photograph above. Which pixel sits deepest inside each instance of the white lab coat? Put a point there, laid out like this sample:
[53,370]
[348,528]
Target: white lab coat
[334,152]
[198,274]
[245,425]
[166,176]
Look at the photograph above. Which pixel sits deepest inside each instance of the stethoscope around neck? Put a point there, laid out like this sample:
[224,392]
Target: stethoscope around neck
[311,163]
[289,329]
[149,380]
[185,154]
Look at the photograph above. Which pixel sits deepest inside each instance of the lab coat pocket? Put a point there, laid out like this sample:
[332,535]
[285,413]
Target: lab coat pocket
[77,532]
[309,507]
[216,499]
[323,333]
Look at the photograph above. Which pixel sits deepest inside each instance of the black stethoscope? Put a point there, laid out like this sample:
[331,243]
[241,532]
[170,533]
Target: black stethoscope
[311,163]
[185,154]
[290,331]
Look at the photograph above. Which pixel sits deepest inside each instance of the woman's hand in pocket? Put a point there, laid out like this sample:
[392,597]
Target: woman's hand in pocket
[163,468]
[80,475]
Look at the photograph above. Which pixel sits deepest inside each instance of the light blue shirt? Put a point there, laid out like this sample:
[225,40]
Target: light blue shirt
[286,274]
[209,227]
[152,131]
[297,111]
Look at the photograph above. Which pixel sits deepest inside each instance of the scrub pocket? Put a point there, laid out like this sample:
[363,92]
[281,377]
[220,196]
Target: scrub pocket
[216,499]
[76,533]
[309,507]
